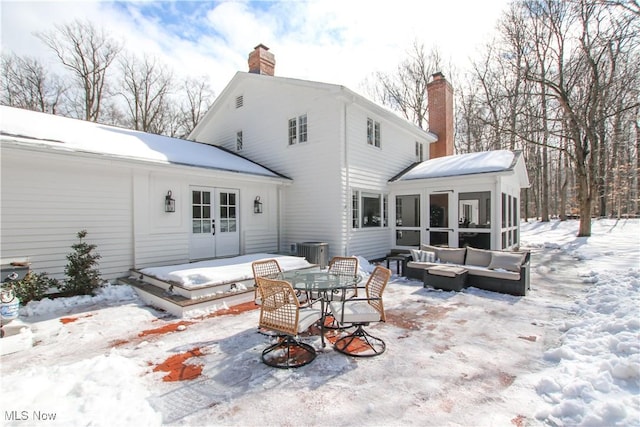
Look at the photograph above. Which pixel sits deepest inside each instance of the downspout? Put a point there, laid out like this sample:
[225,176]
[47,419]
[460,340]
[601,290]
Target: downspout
[347,180]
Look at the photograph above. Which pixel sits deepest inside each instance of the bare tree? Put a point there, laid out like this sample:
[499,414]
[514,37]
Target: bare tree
[146,87]
[198,97]
[585,49]
[405,90]
[88,53]
[26,83]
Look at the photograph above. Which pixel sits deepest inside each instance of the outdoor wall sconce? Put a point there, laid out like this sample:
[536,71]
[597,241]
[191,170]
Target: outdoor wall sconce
[257,205]
[169,203]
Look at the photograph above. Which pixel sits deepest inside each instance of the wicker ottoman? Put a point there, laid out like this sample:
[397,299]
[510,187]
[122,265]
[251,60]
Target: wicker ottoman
[446,277]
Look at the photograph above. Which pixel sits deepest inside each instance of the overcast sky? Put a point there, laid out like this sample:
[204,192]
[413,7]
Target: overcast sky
[341,42]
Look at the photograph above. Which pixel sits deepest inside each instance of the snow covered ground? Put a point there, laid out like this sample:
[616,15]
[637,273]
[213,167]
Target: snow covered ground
[567,354]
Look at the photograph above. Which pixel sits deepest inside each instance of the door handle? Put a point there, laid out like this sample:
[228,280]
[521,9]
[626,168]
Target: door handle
[213,227]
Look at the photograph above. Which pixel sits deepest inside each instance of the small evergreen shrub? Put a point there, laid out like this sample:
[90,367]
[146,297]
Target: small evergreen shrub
[32,287]
[81,270]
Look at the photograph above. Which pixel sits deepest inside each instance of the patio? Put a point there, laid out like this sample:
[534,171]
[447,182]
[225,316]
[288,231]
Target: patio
[468,358]
[436,362]
[441,360]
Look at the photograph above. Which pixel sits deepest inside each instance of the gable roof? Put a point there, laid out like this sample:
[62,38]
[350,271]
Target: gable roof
[48,131]
[486,162]
[339,91]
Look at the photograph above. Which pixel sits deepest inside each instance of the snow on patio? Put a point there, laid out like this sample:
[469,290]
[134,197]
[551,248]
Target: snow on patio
[566,354]
[213,272]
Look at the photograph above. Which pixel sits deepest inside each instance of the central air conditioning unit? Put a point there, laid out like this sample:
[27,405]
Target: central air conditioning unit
[315,252]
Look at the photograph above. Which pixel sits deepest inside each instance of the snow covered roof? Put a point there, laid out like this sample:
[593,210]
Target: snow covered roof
[62,133]
[464,164]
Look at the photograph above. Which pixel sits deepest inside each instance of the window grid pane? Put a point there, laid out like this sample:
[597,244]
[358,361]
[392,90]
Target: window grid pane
[355,215]
[239,141]
[292,131]
[371,210]
[302,127]
[385,211]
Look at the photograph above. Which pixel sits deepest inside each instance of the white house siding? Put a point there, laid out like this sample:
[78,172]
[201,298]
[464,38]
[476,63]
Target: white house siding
[48,198]
[163,238]
[335,159]
[370,169]
[309,204]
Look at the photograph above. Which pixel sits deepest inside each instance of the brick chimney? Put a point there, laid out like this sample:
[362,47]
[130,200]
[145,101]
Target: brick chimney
[261,61]
[440,103]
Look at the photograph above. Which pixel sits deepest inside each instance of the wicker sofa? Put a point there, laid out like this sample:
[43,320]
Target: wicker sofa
[506,272]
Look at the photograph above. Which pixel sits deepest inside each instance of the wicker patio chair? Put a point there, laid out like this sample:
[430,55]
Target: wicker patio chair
[361,312]
[347,267]
[280,312]
[269,268]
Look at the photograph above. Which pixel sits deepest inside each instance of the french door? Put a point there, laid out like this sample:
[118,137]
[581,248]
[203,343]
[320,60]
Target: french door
[214,223]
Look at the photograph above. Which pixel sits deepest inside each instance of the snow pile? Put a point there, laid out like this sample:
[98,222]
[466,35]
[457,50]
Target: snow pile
[597,377]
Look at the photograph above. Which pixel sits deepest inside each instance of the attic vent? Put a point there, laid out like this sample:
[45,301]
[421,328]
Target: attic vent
[239,101]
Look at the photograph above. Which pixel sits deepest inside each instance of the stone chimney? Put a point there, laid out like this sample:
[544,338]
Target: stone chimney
[261,61]
[440,103]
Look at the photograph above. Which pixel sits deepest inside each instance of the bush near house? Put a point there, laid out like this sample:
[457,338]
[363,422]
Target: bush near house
[82,272]
[32,287]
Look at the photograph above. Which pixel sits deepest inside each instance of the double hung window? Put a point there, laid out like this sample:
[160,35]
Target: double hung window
[297,129]
[373,132]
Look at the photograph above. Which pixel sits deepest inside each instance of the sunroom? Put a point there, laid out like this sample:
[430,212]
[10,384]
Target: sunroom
[456,201]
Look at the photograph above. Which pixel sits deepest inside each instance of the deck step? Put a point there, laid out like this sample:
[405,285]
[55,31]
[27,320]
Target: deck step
[181,306]
[181,301]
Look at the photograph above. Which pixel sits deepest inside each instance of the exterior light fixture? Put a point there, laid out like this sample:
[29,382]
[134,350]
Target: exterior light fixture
[257,205]
[169,203]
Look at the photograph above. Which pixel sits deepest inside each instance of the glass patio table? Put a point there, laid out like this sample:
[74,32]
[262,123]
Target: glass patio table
[324,284]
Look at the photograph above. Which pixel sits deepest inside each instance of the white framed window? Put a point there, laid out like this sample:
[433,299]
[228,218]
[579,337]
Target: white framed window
[369,209]
[302,128]
[293,131]
[239,140]
[297,129]
[373,132]
[355,209]
[510,219]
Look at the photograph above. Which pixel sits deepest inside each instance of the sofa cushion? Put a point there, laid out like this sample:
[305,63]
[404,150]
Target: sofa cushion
[480,257]
[451,255]
[428,248]
[421,265]
[423,256]
[494,274]
[506,261]
[446,270]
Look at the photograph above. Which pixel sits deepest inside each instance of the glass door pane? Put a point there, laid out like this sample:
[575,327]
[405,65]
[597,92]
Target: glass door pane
[408,220]
[201,212]
[439,231]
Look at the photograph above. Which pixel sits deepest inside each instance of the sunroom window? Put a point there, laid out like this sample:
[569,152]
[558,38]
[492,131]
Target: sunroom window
[369,209]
